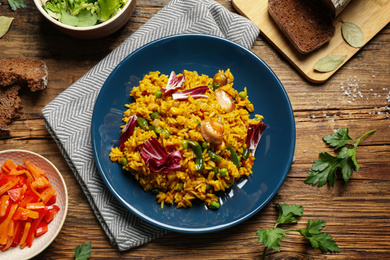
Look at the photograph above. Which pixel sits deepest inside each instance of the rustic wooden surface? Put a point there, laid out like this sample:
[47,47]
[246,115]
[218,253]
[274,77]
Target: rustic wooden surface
[357,213]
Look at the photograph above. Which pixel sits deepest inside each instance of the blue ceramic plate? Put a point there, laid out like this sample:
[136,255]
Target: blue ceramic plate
[206,55]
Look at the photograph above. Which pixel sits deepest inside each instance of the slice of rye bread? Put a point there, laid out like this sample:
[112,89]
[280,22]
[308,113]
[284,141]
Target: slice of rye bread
[30,72]
[10,105]
[306,23]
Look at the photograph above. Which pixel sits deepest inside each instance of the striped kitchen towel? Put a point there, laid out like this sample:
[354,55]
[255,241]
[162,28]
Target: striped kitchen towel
[68,116]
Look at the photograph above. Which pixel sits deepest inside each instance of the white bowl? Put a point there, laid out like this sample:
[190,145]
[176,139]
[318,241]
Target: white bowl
[92,32]
[41,243]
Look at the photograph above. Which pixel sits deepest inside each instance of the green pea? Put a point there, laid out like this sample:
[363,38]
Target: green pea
[124,161]
[158,94]
[243,95]
[184,143]
[158,129]
[154,115]
[205,145]
[166,133]
[223,172]
[214,205]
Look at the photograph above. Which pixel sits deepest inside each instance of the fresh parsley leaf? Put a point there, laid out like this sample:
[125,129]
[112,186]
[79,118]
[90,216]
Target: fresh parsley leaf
[16,4]
[83,251]
[324,169]
[315,226]
[317,238]
[338,139]
[348,162]
[288,213]
[271,237]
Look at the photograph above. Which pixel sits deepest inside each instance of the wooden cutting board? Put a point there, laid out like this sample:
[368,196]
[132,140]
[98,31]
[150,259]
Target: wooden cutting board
[370,15]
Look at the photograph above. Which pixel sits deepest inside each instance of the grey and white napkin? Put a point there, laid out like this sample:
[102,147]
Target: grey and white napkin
[68,116]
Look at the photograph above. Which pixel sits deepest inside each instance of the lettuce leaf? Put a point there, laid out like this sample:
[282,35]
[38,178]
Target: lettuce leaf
[107,8]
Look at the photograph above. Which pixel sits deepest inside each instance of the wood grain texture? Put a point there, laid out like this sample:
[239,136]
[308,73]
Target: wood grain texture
[357,213]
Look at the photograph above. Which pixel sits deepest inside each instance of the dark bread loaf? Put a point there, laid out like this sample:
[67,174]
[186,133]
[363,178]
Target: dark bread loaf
[10,105]
[307,23]
[30,72]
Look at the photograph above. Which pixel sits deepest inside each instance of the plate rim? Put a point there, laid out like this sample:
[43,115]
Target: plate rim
[219,227]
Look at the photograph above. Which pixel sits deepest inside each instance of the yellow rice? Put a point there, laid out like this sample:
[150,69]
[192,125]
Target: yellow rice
[181,119]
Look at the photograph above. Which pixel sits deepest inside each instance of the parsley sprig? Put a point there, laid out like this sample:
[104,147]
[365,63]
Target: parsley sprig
[16,4]
[83,251]
[287,215]
[324,169]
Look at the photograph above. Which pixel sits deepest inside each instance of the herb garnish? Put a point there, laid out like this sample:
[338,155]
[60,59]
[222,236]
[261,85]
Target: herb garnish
[16,4]
[83,251]
[312,232]
[325,168]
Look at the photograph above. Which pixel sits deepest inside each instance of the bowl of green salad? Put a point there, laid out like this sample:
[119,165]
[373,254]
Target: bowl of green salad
[87,19]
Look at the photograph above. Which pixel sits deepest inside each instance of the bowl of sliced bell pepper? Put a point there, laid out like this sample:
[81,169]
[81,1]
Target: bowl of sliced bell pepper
[33,203]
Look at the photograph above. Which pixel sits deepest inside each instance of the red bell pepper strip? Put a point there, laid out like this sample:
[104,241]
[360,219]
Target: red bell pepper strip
[52,200]
[20,167]
[51,211]
[41,229]
[26,231]
[18,233]
[4,202]
[35,170]
[8,244]
[34,226]
[4,169]
[35,206]
[24,214]
[4,226]
[8,185]
[17,194]
[47,194]
[9,164]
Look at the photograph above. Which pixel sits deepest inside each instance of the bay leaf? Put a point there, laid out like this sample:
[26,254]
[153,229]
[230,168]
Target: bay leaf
[5,23]
[329,63]
[352,34]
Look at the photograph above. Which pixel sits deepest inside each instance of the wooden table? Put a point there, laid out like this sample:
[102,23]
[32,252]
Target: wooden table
[357,213]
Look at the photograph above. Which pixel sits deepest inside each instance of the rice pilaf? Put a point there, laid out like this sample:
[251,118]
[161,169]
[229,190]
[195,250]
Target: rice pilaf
[191,144]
